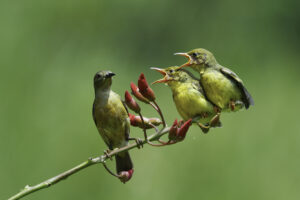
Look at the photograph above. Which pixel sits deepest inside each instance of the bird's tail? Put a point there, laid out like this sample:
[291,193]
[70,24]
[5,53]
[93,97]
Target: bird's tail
[123,162]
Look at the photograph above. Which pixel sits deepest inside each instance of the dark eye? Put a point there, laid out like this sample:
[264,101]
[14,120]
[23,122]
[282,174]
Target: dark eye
[97,76]
[171,70]
[194,54]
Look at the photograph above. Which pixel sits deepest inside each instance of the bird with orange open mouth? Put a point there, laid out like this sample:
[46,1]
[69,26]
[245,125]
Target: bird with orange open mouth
[222,86]
[189,98]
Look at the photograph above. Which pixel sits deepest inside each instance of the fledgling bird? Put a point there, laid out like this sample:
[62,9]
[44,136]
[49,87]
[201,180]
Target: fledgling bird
[111,119]
[221,86]
[188,97]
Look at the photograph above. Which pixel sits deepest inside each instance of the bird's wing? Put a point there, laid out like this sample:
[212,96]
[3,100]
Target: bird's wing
[94,114]
[196,85]
[127,124]
[94,118]
[127,129]
[123,102]
[246,97]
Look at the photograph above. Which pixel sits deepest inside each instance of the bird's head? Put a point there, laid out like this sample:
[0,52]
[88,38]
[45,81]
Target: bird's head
[103,79]
[171,75]
[198,58]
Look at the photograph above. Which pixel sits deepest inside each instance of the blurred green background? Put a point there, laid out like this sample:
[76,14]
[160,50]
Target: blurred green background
[50,51]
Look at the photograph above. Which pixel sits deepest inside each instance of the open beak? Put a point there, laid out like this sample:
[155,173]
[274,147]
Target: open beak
[188,63]
[162,72]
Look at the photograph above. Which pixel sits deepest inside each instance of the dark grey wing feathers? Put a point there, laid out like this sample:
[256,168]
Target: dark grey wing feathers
[246,97]
[123,102]
[94,113]
[127,128]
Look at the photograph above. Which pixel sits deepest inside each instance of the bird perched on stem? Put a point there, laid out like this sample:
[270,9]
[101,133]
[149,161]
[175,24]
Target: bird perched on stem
[188,97]
[221,86]
[111,119]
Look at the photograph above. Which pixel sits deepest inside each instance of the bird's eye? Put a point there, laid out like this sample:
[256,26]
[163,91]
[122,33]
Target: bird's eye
[171,70]
[194,54]
[97,76]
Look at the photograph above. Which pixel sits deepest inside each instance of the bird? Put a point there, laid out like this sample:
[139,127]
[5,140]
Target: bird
[221,86]
[188,97]
[111,118]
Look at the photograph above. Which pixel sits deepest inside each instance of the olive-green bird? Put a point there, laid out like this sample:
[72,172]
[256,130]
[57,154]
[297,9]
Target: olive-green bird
[111,118]
[222,87]
[188,97]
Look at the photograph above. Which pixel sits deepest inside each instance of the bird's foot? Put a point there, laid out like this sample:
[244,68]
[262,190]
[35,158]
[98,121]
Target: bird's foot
[205,114]
[217,109]
[139,142]
[232,105]
[204,128]
[235,105]
[215,121]
[106,153]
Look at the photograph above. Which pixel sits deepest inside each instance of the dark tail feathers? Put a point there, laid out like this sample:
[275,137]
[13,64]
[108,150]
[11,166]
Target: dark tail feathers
[123,162]
[247,99]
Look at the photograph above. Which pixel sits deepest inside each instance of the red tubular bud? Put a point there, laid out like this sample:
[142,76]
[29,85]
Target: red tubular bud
[144,88]
[125,176]
[173,131]
[137,94]
[131,103]
[142,83]
[183,130]
[137,121]
[149,94]
[133,121]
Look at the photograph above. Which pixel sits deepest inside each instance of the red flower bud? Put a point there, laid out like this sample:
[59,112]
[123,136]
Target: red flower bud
[183,130]
[137,121]
[149,94]
[173,131]
[125,176]
[144,88]
[131,103]
[132,119]
[142,83]
[137,94]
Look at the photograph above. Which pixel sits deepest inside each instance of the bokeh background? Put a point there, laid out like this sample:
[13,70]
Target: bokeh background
[50,51]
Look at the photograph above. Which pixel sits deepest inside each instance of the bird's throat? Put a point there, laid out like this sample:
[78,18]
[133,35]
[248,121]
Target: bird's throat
[102,93]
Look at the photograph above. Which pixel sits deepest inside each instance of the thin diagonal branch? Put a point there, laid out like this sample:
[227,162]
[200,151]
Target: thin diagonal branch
[160,113]
[91,161]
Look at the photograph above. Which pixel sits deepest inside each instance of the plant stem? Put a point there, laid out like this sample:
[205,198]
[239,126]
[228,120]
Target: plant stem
[160,113]
[91,161]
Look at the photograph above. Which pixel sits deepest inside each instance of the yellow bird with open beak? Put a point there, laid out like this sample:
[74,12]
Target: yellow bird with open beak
[189,98]
[221,85]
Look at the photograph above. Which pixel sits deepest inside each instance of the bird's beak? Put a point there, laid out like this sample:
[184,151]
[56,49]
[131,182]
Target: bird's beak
[162,71]
[109,74]
[188,63]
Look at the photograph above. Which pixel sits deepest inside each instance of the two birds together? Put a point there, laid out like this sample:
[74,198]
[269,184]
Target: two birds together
[219,89]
